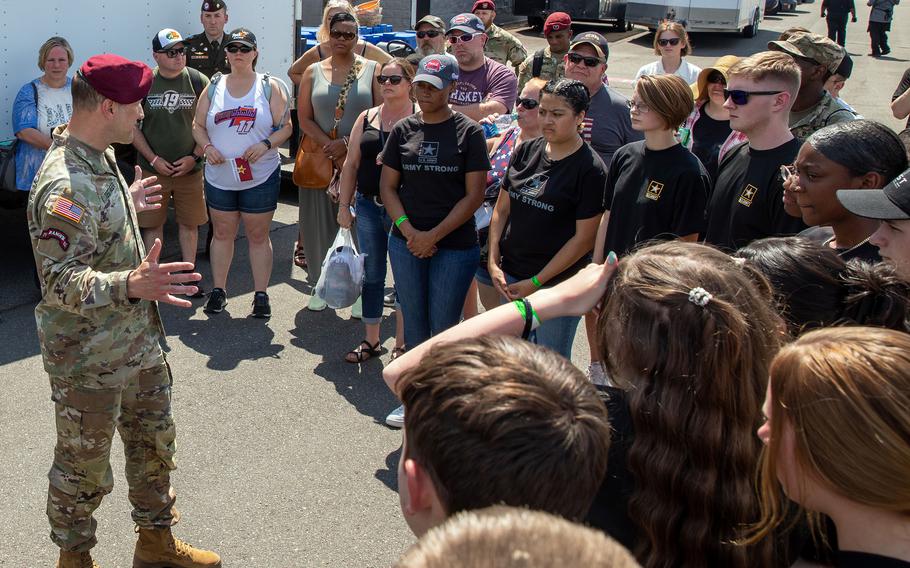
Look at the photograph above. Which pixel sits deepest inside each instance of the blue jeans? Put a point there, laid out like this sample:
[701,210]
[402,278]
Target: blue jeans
[558,333]
[373,225]
[260,199]
[432,290]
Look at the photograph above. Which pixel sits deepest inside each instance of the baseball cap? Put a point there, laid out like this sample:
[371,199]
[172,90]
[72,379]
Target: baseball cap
[483,5]
[242,36]
[722,66]
[166,39]
[845,69]
[468,23]
[117,78]
[557,21]
[811,46]
[213,5]
[434,21]
[892,202]
[595,40]
[437,70]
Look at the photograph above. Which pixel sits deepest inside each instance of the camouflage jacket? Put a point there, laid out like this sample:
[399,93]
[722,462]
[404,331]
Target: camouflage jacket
[503,47]
[86,241]
[551,68]
[829,110]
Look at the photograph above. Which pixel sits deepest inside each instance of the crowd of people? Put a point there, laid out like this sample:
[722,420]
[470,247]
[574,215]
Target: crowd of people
[735,239]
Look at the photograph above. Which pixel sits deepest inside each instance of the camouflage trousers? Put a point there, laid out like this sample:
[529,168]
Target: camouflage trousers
[87,409]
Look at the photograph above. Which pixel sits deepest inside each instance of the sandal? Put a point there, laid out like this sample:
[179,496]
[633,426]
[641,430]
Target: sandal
[397,352]
[363,352]
[299,256]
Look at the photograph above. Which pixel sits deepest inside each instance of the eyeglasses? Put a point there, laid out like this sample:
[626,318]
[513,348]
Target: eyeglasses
[666,42]
[346,36]
[641,108]
[240,48]
[528,104]
[577,58]
[172,53]
[430,33]
[393,79]
[742,97]
[463,38]
[717,78]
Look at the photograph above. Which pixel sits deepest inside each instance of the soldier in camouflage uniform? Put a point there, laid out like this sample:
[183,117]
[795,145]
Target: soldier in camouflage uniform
[205,50]
[98,323]
[549,62]
[818,58]
[502,46]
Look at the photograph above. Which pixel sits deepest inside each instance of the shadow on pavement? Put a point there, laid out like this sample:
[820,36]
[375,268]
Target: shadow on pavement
[389,475]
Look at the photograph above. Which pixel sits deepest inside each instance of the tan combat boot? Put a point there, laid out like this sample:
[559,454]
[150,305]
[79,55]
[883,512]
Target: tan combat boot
[158,548]
[76,560]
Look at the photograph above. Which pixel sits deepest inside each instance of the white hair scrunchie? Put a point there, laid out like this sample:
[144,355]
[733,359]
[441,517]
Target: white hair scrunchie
[700,297]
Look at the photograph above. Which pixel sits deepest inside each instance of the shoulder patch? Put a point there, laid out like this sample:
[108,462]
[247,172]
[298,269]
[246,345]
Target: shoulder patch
[57,235]
[68,210]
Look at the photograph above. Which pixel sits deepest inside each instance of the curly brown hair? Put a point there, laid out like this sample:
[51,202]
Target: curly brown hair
[697,376]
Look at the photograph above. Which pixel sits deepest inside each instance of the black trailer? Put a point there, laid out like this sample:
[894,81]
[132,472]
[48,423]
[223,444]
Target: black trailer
[612,11]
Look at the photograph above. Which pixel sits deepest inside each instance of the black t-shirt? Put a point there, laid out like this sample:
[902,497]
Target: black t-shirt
[654,194]
[369,172]
[708,135]
[850,559]
[823,235]
[433,160]
[746,203]
[902,88]
[546,198]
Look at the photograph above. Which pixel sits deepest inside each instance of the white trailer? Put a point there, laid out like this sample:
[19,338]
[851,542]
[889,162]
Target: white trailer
[741,16]
[126,27]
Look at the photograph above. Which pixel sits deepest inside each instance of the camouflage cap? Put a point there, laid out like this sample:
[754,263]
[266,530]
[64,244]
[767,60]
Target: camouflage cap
[434,21]
[816,47]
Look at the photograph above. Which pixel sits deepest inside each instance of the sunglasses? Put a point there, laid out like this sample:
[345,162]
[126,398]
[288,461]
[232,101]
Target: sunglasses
[240,48]
[428,33]
[393,79]
[463,38]
[642,108]
[717,78]
[666,42]
[172,53]
[577,58]
[346,36]
[528,104]
[742,97]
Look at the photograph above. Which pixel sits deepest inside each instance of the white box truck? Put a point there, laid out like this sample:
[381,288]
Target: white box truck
[741,16]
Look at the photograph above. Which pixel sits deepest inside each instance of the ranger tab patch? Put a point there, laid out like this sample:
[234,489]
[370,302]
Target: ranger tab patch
[68,209]
[57,235]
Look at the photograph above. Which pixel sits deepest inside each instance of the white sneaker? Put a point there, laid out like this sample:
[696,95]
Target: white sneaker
[597,375]
[395,419]
[316,304]
[357,308]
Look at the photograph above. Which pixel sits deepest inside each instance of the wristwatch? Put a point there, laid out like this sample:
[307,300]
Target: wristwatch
[196,158]
[267,142]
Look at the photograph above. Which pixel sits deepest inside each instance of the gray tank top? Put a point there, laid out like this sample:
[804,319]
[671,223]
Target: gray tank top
[325,97]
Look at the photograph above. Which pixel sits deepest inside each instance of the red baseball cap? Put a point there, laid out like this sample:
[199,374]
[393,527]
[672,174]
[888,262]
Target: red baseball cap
[557,22]
[483,5]
[117,78]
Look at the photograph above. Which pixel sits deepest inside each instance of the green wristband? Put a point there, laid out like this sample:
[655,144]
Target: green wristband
[401,220]
[536,282]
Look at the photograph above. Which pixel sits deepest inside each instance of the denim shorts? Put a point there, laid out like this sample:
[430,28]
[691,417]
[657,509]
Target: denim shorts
[262,198]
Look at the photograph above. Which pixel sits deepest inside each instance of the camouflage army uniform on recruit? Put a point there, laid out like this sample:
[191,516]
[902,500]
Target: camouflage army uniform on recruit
[548,63]
[99,327]
[502,46]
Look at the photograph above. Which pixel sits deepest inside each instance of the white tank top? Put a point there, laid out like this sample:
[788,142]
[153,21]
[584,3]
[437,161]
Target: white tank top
[234,125]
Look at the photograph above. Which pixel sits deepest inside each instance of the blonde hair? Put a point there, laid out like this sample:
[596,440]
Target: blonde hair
[676,28]
[846,393]
[322,34]
[769,65]
[667,95]
[510,537]
[50,44]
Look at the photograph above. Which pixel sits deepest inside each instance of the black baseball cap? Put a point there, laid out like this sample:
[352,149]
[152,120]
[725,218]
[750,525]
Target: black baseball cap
[892,202]
[242,36]
[595,40]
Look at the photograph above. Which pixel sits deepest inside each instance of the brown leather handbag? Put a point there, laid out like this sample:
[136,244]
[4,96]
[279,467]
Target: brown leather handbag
[312,168]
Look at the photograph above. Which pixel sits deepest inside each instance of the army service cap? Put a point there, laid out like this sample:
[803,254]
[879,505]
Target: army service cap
[117,78]
[816,47]
[213,5]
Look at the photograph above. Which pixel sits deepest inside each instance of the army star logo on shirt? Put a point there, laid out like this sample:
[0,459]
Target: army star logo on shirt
[534,186]
[748,195]
[428,153]
[654,189]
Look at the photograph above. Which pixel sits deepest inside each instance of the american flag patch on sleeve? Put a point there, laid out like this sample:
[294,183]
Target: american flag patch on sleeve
[68,209]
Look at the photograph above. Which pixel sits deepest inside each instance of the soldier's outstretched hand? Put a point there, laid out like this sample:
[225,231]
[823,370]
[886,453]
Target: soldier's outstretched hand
[143,191]
[161,282]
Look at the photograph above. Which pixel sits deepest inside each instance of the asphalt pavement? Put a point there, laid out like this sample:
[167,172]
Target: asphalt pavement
[284,460]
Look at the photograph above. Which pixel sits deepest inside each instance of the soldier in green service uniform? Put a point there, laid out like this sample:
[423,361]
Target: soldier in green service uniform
[549,63]
[98,323]
[502,46]
[205,50]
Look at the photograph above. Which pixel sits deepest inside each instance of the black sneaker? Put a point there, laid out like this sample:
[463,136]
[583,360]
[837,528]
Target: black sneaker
[200,291]
[217,302]
[261,307]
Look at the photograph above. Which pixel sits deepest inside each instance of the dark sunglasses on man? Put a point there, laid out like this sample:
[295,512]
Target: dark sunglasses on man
[393,79]
[742,97]
[428,33]
[346,36]
[577,59]
[528,104]
[463,38]
[241,48]
[666,42]
[172,53]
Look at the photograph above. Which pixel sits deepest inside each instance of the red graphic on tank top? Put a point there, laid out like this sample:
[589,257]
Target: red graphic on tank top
[242,117]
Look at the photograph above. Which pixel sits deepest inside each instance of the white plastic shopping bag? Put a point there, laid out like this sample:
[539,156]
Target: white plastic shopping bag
[341,280]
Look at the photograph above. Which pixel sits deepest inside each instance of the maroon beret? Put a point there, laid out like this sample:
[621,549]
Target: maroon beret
[116,78]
